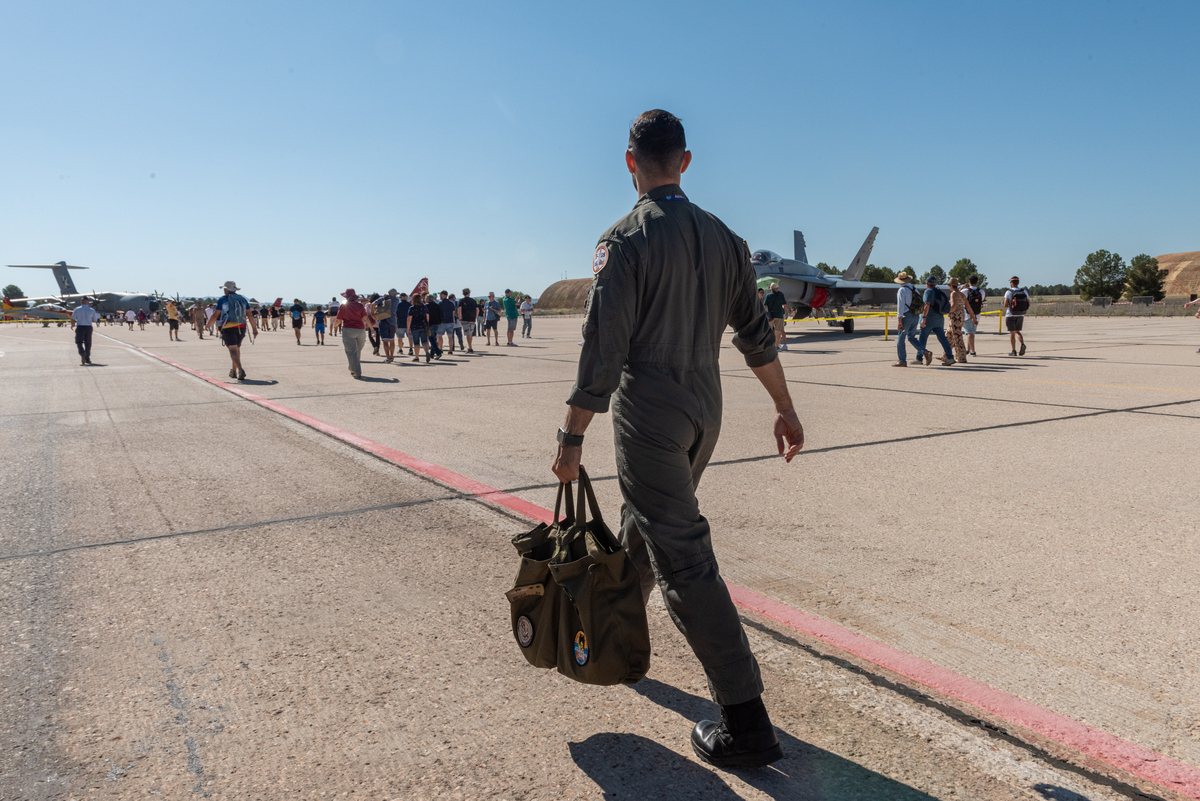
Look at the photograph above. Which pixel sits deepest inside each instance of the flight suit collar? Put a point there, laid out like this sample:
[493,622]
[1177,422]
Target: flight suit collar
[660,192]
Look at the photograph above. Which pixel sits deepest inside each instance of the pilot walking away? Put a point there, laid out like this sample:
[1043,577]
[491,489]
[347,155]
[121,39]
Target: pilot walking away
[84,317]
[668,278]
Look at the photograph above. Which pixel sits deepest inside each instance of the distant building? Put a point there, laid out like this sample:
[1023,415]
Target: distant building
[1183,273]
[565,296]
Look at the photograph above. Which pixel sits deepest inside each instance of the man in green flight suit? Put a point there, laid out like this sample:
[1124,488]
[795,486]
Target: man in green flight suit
[668,278]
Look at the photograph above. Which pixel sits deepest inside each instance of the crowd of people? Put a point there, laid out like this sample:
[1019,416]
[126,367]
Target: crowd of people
[428,323]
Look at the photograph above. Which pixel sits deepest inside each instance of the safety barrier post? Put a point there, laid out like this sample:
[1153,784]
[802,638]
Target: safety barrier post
[886,315]
[999,323]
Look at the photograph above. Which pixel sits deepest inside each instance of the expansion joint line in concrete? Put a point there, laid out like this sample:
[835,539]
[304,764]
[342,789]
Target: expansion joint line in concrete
[1095,746]
[171,535]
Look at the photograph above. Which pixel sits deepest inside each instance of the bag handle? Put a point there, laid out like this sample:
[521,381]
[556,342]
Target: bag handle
[585,488]
[569,518]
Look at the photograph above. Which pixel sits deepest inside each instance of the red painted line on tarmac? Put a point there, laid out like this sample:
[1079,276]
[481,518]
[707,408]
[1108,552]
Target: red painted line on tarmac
[1130,757]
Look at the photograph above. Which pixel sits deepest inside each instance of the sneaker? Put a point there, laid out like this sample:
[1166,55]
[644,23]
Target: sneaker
[428,358]
[417,360]
[469,350]
[233,373]
[945,360]
[928,357]
[1022,353]
[241,374]
[900,364]
[1012,353]
[972,353]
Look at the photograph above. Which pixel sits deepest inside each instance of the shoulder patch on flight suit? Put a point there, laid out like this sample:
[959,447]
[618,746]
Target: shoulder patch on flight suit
[600,259]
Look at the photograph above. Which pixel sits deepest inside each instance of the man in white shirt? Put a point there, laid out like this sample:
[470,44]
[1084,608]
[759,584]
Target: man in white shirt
[527,316]
[84,318]
[908,319]
[1016,303]
[131,318]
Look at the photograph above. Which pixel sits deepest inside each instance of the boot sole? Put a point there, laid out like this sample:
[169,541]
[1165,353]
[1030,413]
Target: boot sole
[754,759]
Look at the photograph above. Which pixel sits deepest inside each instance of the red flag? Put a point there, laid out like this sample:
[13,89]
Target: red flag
[422,287]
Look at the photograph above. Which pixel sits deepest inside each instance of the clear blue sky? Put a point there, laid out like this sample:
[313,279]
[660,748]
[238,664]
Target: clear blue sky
[300,148]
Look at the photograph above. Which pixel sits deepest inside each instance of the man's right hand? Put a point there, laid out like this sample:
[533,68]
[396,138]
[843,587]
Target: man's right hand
[787,427]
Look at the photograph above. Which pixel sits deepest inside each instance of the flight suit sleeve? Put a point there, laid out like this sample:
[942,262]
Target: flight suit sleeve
[752,330]
[607,328]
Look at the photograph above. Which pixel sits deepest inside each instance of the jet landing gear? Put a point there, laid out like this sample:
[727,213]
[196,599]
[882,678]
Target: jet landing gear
[848,326]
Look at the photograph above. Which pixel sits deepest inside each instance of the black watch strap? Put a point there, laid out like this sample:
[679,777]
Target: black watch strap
[569,440]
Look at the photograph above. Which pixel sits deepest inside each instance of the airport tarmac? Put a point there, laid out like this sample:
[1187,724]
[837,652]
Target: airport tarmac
[206,597]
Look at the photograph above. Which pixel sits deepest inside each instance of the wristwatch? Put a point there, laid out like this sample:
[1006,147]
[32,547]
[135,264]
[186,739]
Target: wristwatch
[569,440]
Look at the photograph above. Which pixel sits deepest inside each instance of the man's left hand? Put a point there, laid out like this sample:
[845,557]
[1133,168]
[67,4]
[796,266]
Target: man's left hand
[566,462]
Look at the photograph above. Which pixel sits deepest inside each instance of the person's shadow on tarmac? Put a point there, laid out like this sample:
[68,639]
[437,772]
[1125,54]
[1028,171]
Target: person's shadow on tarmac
[370,379]
[629,766]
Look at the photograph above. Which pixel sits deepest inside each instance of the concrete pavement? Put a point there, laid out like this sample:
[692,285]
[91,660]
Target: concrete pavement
[1018,521]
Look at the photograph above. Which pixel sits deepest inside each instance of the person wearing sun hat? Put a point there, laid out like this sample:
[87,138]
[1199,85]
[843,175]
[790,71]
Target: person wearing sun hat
[353,317]
[908,319]
[230,316]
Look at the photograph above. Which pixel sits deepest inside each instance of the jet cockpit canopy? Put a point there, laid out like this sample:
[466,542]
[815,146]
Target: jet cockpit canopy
[761,258]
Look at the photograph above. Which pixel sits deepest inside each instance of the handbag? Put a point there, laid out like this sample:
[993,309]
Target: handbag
[576,604]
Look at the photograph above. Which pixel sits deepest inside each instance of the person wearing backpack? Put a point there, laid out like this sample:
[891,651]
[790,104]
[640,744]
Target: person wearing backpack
[1016,303]
[908,319]
[933,320]
[975,301]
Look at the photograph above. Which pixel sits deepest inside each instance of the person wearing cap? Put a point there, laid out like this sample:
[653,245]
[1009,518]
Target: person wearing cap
[230,314]
[84,317]
[298,317]
[908,319]
[776,305]
[468,310]
[668,279]
[353,317]
[447,308]
[1014,320]
[933,321]
[510,314]
[387,326]
[492,318]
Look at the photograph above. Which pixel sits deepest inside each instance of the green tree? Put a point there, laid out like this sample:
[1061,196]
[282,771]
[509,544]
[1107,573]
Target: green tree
[1101,276]
[936,273]
[963,269]
[878,275]
[13,291]
[1144,277]
[829,269]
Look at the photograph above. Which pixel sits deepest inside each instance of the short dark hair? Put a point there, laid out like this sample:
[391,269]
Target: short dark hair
[974,279]
[657,141]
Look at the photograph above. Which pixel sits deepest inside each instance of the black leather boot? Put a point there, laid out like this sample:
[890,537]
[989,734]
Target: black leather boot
[742,738]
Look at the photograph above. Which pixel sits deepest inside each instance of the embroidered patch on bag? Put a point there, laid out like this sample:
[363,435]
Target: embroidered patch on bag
[581,649]
[524,631]
[599,260]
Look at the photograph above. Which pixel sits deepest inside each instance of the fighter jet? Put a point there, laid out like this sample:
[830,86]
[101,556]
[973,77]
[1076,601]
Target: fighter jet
[811,292]
[103,302]
[46,312]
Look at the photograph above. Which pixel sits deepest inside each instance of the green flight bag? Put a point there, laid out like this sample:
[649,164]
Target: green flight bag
[534,598]
[599,634]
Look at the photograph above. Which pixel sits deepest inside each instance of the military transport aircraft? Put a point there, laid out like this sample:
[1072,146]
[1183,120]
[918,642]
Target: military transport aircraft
[811,292]
[103,302]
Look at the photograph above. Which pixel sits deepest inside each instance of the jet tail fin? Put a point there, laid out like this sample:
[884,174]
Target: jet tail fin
[801,253]
[65,285]
[855,270]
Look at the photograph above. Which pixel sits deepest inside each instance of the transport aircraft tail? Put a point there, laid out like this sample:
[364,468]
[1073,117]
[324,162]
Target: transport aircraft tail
[65,285]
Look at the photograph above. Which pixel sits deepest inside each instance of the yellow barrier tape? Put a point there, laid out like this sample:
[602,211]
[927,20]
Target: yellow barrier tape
[862,316]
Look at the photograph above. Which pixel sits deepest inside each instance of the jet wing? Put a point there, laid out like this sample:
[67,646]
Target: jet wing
[851,285]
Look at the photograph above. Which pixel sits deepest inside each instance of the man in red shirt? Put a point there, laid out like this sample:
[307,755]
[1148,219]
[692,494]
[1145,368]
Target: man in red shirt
[353,316]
